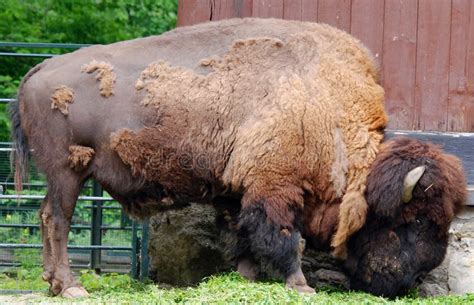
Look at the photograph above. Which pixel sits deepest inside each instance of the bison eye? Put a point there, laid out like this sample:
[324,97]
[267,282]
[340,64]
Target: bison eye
[418,222]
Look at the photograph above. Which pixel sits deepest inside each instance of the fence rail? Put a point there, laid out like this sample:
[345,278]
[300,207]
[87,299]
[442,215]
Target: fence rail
[37,46]
[13,54]
[78,247]
[7,100]
[42,45]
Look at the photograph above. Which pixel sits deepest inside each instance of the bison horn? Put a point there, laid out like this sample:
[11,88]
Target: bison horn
[411,179]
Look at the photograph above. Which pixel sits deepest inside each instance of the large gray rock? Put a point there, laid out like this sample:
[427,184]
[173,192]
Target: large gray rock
[456,274]
[436,282]
[323,271]
[189,244]
[461,253]
[186,245]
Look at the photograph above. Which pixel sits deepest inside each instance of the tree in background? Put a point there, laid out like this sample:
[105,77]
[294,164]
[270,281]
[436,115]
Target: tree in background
[72,21]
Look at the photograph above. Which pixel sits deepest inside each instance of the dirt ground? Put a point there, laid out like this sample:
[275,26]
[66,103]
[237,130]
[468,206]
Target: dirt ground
[22,299]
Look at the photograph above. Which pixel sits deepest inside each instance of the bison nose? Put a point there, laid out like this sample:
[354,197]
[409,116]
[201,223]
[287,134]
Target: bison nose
[409,280]
[420,276]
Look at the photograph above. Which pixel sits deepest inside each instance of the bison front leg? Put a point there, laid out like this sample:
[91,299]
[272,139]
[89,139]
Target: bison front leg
[56,214]
[268,233]
[247,268]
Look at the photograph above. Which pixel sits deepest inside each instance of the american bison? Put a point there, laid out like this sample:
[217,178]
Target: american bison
[286,116]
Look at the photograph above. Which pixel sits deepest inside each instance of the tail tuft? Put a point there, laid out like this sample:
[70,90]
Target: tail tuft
[19,154]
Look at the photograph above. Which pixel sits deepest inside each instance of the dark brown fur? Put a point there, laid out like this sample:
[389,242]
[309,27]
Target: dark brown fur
[401,242]
[444,172]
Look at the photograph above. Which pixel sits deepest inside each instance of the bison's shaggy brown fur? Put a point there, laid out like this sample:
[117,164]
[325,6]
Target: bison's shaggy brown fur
[80,156]
[444,172]
[105,76]
[286,116]
[61,98]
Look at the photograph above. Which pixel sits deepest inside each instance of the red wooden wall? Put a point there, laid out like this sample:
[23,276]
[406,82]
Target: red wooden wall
[425,49]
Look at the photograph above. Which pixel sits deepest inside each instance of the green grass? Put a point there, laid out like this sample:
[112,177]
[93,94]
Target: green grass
[223,289]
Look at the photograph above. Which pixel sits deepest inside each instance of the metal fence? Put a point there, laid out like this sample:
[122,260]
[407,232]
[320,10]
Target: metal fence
[102,237]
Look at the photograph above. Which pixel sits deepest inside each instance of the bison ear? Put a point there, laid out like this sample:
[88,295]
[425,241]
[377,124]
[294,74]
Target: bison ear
[390,184]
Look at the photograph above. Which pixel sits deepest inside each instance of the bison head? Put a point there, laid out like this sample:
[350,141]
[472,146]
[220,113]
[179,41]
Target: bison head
[413,192]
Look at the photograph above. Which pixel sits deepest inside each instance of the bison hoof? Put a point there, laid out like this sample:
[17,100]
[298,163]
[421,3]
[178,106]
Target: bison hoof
[297,281]
[304,289]
[75,292]
[247,269]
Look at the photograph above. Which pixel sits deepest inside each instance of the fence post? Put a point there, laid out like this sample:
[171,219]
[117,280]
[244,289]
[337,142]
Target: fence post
[96,229]
[144,251]
[135,251]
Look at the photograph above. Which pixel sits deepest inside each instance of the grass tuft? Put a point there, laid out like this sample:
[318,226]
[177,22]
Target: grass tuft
[229,288]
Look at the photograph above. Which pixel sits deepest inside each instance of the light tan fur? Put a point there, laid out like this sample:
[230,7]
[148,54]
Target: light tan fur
[339,167]
[80,156]
[297,115]
[61,98]
[105,76]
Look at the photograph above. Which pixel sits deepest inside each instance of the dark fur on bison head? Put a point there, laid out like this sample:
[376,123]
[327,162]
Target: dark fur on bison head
[406,234]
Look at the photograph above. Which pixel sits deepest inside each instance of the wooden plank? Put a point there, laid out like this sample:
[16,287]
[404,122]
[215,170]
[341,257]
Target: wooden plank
[309,10]
[244,8]
[292,9]
[432,64]
[399,61]
[193,11]
[461,84]
[470,75]
[367,25]
[267,8]
[223,9]
[336,13]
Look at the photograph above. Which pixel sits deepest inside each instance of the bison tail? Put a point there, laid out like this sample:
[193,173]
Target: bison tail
[19,154]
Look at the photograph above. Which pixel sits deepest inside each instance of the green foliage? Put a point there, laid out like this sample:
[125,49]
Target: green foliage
[72,21]
[85,21]
[111,282]
[25,278]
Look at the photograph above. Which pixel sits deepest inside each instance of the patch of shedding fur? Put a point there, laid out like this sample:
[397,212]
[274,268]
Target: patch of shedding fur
[80,156]
[123,143]
[156,78]
[340,165]
[105,75]
[61,98]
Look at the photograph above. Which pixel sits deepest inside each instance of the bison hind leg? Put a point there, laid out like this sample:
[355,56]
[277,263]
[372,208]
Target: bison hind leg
[55,215]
